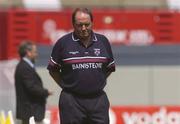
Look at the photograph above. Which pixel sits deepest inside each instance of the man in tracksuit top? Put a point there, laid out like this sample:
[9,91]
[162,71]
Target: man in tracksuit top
[80,63]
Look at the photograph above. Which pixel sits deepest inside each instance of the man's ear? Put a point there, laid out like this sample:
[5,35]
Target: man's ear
[91,24]
[28,53]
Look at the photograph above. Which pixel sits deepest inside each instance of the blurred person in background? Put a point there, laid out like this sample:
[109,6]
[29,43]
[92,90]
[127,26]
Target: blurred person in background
[30,94]
[80,63]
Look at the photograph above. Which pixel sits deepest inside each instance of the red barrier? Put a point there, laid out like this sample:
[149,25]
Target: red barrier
[22,25]
[52,25]
[128,27]
[54,119]
[137,115]
[3,35]
[146,115]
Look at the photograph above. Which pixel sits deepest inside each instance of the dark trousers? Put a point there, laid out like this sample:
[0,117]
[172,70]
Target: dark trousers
[75,109]
[25,122]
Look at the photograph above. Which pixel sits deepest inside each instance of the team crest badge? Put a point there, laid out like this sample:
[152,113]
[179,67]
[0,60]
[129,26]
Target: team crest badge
[97,52]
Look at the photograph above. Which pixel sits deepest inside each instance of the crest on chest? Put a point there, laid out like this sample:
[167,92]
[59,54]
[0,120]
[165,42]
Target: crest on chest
[97,51]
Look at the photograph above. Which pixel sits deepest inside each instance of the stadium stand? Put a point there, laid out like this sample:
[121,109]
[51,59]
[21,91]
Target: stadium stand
[116,3]
[10,3]
[144,3]
[98,3]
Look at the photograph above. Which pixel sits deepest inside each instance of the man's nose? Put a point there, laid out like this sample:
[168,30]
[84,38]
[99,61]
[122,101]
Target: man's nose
[83,27]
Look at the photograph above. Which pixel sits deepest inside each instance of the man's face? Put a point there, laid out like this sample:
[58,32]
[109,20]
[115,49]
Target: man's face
[32,54]
[82,25]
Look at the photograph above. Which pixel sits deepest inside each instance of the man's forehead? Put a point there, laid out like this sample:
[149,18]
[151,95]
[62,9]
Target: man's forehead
[81,15]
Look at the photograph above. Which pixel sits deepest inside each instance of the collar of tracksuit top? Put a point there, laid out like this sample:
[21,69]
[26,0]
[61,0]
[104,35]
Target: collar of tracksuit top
[29,62]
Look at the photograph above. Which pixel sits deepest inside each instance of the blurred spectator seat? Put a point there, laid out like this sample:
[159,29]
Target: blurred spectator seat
[115,3]
[10,3]
[144,3]
[91,3]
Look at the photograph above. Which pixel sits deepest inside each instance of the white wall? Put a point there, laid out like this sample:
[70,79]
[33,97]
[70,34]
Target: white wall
[134,85]
[7,89]
[129,85]
[42,4]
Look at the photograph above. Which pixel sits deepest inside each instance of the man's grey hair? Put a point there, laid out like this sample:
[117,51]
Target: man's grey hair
[24,47]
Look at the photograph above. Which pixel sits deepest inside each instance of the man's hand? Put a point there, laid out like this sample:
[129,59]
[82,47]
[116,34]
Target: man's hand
[50,93]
